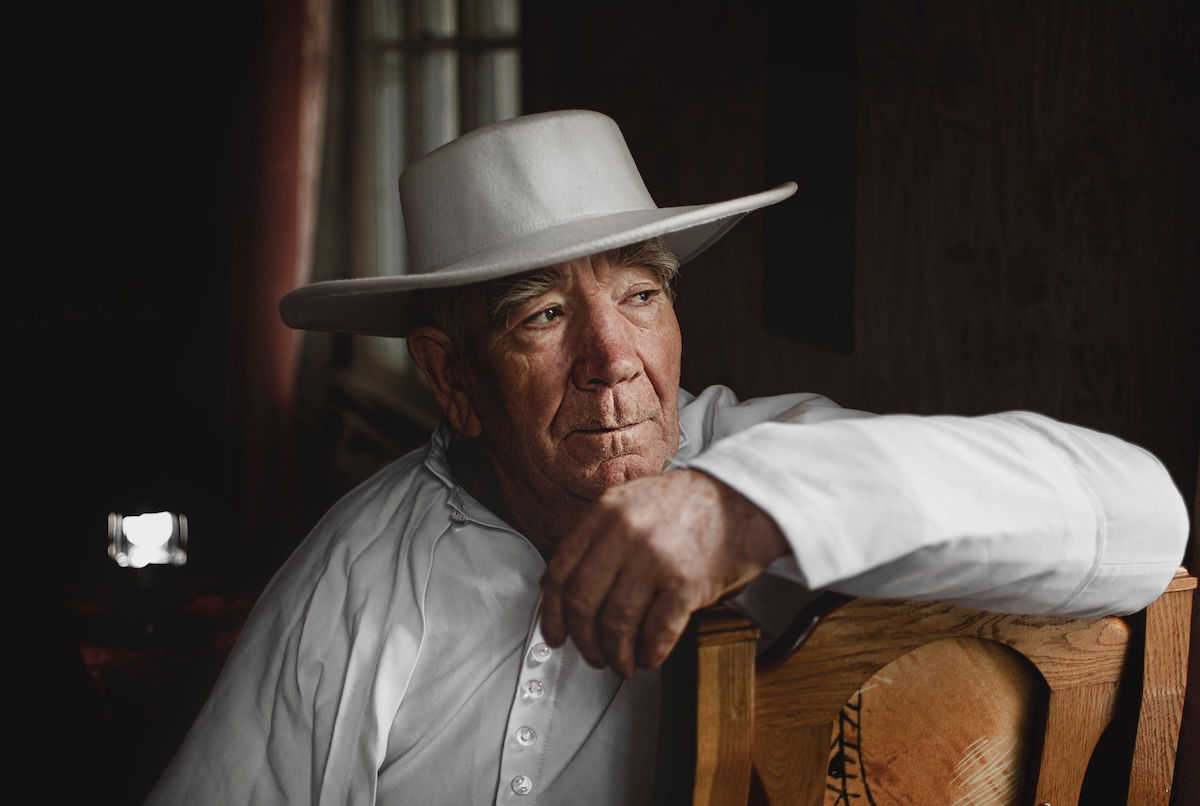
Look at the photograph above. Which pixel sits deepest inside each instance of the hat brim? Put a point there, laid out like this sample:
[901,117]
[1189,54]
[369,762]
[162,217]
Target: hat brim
[381,306]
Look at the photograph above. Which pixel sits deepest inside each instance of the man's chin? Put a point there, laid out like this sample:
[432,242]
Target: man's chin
[614,472]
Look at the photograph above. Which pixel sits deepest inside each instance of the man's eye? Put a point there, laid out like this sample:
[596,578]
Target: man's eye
[646,295]
[544,317]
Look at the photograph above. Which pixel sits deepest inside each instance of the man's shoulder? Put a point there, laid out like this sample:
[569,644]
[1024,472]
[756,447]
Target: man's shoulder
[398,488]
[344,610]
[367,535]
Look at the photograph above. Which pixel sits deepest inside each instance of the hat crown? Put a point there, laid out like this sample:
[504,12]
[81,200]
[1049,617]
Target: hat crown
[513,178]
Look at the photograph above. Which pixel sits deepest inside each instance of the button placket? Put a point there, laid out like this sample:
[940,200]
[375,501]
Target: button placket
[529,721]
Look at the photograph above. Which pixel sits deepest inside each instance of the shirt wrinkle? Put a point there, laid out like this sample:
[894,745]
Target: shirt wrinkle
[421,610]
[498,668]
[595,726]
[382,648]
[1101,522]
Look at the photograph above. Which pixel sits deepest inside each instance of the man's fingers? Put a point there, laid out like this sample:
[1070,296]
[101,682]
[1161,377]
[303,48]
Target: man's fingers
[665,622]
[583,594]
[566,557]
[583,634]
[623,584]
[621,617]
[553,626]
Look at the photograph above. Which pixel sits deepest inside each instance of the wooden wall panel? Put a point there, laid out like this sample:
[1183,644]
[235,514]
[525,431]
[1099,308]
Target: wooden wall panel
[1027,204]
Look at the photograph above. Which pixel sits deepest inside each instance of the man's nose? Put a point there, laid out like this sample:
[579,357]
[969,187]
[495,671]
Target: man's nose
[605,351]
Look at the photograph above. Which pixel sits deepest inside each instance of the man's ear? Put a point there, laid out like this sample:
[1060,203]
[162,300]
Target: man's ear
[433,350]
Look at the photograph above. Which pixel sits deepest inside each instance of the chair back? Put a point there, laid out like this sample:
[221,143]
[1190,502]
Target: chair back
[876,701]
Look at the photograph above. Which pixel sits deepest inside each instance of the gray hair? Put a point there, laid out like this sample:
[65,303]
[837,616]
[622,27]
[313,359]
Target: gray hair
[445,308]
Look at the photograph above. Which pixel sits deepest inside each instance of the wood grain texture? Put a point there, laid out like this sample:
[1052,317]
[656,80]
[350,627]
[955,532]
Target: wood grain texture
[725,647]
[1182,581]
[791,759]
[865,635]
[1080,661]
[1164,666]
[1075,718]
[960,735]
[957,703]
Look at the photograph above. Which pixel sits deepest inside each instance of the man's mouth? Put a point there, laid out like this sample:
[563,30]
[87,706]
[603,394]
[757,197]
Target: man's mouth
[605,429]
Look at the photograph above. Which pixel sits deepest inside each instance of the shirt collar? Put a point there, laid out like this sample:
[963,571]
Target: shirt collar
[463,505]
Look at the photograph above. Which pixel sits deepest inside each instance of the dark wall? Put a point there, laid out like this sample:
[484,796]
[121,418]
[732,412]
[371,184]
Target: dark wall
[121,317]
[1026,188]
[119,323]
[1026,199]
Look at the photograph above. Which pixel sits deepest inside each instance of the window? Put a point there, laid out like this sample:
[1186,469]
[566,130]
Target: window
[428,71]
[405,76]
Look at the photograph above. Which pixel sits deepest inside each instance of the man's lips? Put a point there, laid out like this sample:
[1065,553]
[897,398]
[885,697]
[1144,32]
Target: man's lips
[616,429]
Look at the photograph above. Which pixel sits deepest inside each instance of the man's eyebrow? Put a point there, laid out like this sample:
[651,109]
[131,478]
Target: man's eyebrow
[506,298]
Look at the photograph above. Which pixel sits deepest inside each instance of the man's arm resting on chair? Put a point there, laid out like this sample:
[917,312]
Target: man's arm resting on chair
[1011,512]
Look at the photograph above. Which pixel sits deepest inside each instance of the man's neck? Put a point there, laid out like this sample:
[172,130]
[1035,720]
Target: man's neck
[476,471]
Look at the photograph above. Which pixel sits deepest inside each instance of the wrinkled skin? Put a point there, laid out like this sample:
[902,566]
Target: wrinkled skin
[575,400]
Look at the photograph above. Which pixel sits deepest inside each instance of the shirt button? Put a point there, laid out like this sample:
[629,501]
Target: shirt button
[522,784]
[526,735]
[534,689]
[540,653]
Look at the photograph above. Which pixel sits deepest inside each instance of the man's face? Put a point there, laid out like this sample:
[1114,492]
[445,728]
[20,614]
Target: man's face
[576,391]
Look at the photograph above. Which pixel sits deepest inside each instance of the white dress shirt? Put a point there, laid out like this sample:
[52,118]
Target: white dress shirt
[396,658]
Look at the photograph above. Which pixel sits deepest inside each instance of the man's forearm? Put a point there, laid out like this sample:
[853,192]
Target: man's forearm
[1011,512]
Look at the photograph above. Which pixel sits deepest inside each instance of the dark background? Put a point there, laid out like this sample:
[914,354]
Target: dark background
[1023,185]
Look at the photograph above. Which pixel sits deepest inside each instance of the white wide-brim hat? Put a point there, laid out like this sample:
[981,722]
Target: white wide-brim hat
[507,198]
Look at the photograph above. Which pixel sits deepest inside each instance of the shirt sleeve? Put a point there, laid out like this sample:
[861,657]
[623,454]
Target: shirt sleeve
[253,740]
[1011,512]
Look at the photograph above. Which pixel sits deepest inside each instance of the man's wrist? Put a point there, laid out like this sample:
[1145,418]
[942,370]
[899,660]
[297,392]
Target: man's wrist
[755,531]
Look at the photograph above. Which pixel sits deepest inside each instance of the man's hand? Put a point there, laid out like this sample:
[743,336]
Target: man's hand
[645,556]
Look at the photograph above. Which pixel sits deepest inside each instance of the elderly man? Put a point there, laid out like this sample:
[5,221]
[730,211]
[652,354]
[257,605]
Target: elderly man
[415,647]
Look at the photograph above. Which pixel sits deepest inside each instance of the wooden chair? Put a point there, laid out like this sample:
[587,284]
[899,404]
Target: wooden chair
[879,701]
